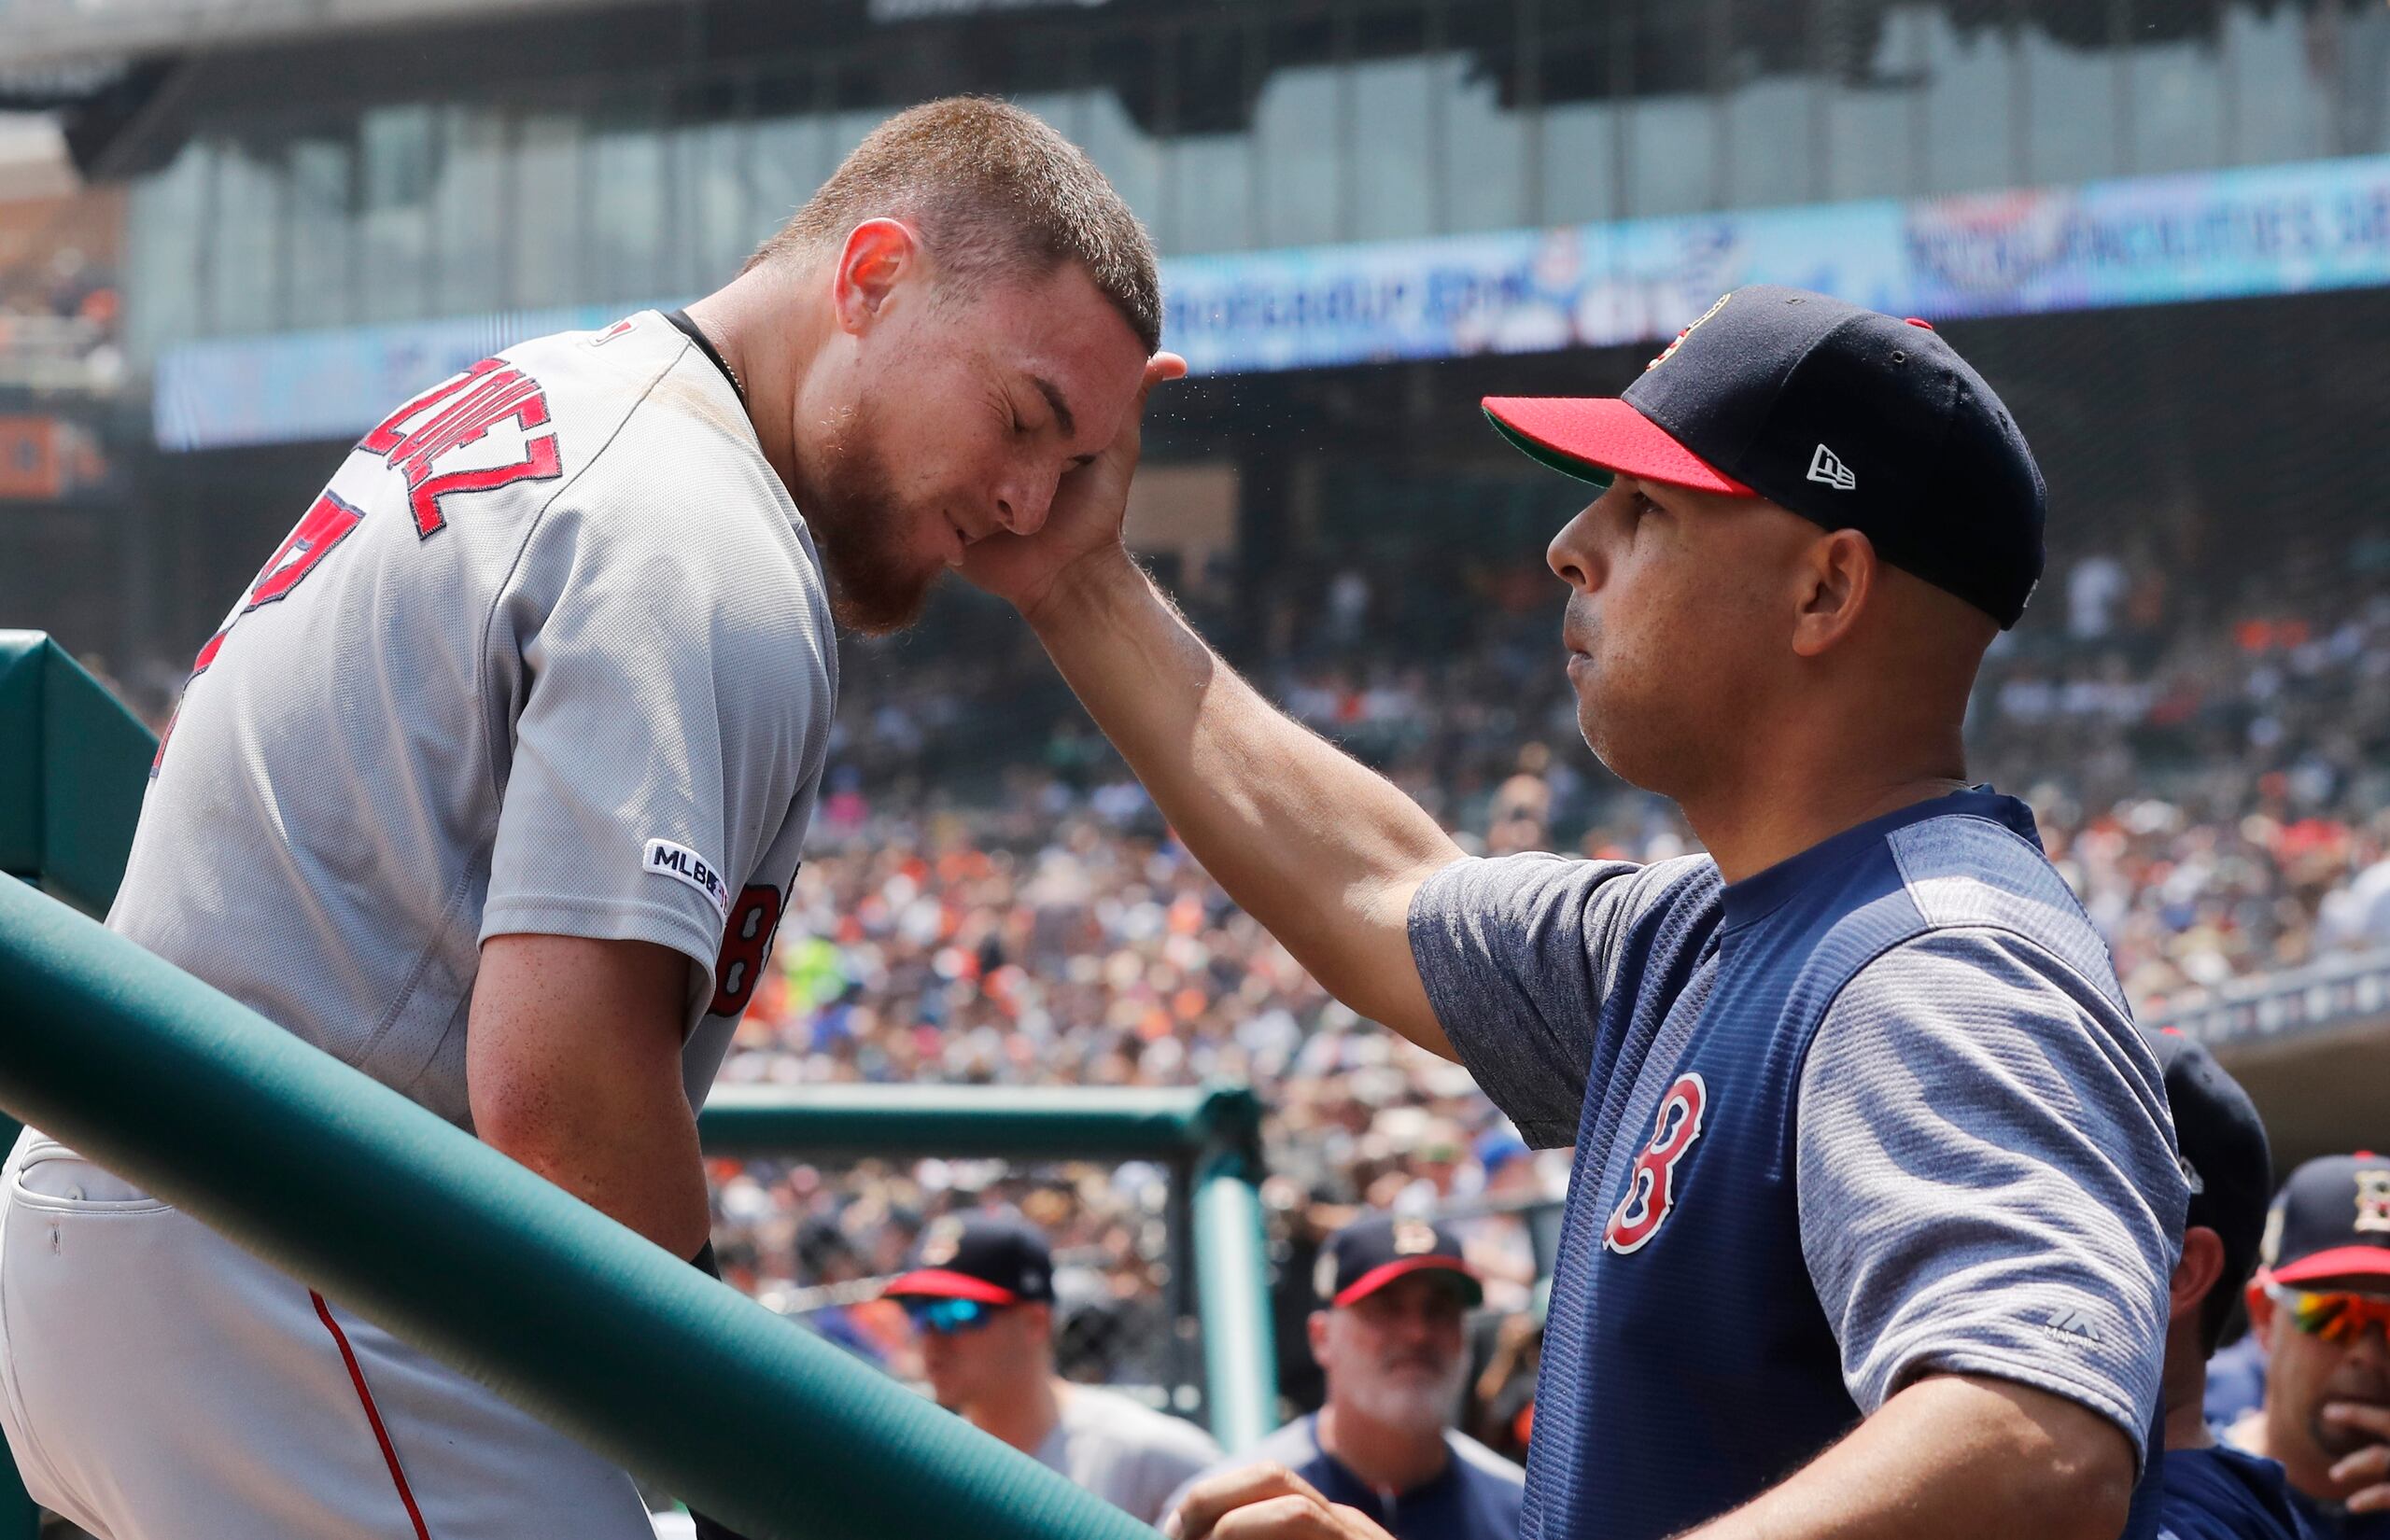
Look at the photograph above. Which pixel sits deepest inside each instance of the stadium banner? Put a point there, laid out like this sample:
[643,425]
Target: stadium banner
[2197,235]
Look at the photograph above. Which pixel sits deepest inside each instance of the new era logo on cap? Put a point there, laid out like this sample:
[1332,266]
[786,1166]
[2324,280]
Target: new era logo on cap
[1827,467]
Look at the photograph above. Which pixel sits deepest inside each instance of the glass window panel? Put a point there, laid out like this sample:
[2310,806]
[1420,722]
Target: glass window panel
[1125,153]
[2177,107]
[2074,95]
[1394,191]
[1969,91]
[247,227]
[1870,100]
[1577,63]
[1770,146]
[1672,127]
[547,208]
[726,229]
[789,158]
[161,252]
[324,282]
[1211,183]
[1296,122]
[2280,106]
[396,163]
[2365,80]
[1484,154]
[623,179]
[1580,157]
[469,212]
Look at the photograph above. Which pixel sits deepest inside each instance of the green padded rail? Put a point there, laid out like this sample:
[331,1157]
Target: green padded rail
[1023,1122]
[458,1249]
[74,763]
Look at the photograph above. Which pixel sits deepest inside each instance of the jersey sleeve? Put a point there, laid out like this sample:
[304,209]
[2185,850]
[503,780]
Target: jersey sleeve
[1987,1177]
[671,692]
[1517,953]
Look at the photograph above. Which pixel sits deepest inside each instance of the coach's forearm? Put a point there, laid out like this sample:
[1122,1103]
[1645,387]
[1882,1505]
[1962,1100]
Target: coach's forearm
[1321,849]
[1955,1457]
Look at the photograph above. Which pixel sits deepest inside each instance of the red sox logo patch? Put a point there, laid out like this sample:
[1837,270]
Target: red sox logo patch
[1650,1192]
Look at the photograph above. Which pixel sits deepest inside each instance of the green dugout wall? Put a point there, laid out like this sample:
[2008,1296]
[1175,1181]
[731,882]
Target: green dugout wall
[456,1249]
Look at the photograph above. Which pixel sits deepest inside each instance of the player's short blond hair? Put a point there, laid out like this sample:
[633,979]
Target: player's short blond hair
[994,193]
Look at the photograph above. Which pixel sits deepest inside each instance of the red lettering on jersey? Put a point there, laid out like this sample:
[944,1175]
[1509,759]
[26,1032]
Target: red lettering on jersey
[1650,1191]
[325,524]
[746,944]
[477,401]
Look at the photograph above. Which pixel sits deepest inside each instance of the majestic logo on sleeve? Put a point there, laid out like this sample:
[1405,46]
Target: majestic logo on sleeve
[1650,1191]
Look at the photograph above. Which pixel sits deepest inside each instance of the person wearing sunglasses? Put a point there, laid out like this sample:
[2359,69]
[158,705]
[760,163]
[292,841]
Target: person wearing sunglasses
[2321,1306]
[2212,1490]
[980,1296]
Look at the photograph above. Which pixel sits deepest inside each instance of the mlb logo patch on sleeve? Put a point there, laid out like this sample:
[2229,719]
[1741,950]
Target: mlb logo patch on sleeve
[682,865]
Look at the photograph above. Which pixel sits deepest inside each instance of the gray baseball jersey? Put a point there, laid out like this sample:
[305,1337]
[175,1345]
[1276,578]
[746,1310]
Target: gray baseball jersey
[550,653]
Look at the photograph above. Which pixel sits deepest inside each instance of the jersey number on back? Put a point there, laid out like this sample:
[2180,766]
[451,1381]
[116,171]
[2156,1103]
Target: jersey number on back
[468,407]
[1650,1191]
[746,942]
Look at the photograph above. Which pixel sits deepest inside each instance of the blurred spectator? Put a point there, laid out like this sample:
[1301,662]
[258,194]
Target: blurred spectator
[2321,1306]
[981,1294]
[1391,1294]
[2212,1492]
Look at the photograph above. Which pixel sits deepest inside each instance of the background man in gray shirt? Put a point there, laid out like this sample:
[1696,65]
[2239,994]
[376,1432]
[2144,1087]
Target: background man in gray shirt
[1874,1197]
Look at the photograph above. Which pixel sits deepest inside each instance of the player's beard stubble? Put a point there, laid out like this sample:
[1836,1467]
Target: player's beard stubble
[878,583]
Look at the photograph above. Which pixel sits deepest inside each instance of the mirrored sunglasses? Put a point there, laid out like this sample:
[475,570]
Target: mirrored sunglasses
[946,1317]
[2336,1316]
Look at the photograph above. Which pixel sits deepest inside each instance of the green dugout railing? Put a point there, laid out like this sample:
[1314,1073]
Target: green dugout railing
[461,1252]
[1210,1139]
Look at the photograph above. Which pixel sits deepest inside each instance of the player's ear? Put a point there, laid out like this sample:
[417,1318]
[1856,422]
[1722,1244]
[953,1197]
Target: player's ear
[1832,577]
[879,255]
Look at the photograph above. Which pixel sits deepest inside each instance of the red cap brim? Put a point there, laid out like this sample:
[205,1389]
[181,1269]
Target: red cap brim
[939,1283]
[1379,1277]
[2339,1262]
[1595,438]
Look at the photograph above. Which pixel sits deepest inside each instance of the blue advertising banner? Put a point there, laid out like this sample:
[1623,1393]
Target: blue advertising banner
[2203,235]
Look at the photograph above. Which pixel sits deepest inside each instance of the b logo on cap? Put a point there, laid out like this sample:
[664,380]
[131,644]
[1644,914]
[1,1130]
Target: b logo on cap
[1414,1239]
[1669,352]
[2373,1202]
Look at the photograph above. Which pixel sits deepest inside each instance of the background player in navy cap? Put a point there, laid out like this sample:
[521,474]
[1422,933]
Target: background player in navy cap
[1875,1200]
[981,1294]
[2215,1491]
[2321,1305]
[1388,1334]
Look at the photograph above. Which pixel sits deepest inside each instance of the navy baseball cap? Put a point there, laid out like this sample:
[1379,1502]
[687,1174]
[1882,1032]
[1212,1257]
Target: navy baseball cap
[1369,1253]
[2224,1154]
[1849,418]
[994,1260]
[2331,1220]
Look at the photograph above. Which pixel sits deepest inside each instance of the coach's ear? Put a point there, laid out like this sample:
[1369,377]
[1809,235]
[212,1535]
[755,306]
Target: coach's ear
[2196,1274]
[1832,580]
[880,255]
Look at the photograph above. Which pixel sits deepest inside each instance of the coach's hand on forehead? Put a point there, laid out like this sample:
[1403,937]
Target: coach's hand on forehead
[1265,1501]
[1084,519]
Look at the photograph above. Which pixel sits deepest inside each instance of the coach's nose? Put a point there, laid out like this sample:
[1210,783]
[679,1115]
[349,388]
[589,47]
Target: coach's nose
[1575,555]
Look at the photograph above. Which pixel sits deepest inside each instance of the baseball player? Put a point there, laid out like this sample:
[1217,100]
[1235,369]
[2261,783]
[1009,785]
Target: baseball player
[1874,1200]
[494,783]
[981,1295]
[2215,1491]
